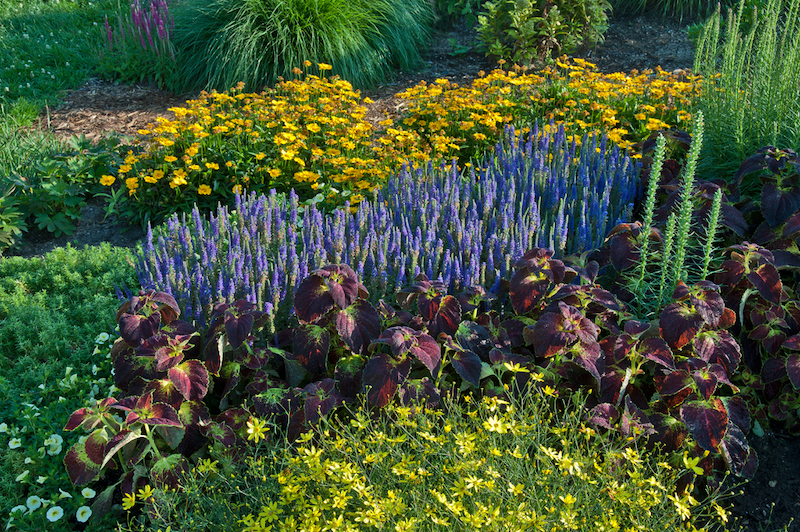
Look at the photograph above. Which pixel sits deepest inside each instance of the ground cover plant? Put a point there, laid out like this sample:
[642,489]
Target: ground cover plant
[537,189]
[52,360]
[416,468]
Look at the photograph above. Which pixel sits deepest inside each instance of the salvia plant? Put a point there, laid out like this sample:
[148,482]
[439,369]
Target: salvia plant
[537,190]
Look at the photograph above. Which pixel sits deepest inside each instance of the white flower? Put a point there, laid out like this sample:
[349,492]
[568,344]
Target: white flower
[33,502]
[18,508]
[95,369]
[84,513]
[3,426]
[63,494]
[14,443]
[53,440]
[40,479]
[41,386]
[28,460]
[22,475]
[102,338]
[88,493]
[55,513]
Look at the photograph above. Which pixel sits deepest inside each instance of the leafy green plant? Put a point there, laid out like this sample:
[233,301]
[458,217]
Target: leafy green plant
[670,8]
[52,191]
[450,12]
[525,32]
[12,223]
[223,42]
[750,99]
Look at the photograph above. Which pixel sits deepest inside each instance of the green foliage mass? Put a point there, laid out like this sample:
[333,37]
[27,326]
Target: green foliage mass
[223,42]
[526,32]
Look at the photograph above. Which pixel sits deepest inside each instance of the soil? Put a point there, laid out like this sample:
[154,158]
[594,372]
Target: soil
[769,501]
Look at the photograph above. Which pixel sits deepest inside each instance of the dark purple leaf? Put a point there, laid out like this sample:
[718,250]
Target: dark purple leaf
[447,317]
[468,366]
[707,422]
[767,281]
[735,449]
[237,327]
[777,204]
[83,460]
[774,369]
[134,328]
[310,347]
[657,350]
[382,376]
[191,379]
[590,357]
[706,383]
[312,299]
[738,412]
[678,325]
[358,325]
[603,415]
[673,382]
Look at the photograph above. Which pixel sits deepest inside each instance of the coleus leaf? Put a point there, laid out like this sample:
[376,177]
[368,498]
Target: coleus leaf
[779,203]
[403,340]
[673,382]
[358,325]
[321,398]
[382,376]
[312,299]
[310,347]
[603,415]
[447,317]
[718,347]
[657,350]
[793,370]
[120,440]
[678,325]
[708,302]
[134,328]
[773,369]
[328,286]
[735,449]
[238,327]
[707,422]
[767,281]
[738,412]
[191,379]
[475,338]
[169,471]
[590,357]
[536,271]
[706,383]
[468,366]
[84,460]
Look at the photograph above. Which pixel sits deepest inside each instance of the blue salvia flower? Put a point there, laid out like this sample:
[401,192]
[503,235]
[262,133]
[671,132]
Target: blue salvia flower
[536,189]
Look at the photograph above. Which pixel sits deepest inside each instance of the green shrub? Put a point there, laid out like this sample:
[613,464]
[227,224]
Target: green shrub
[751,98]
[525,32]
[222,42]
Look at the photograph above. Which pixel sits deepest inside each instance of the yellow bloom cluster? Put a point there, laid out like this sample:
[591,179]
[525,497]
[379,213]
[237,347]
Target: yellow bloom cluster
[489,466]
[310,134]
[466,121]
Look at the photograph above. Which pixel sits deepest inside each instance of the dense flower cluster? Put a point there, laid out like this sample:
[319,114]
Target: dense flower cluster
[538,190]
[311,135]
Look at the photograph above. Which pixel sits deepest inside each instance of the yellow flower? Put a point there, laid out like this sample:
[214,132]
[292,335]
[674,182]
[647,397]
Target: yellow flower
[204,190]
[132,183]
[313,127]
[128,501]
[177,181]
[146,492]
[237,189]
[150,179]
[256,428]
[170,158]
[124,169]
[212,166]
[323,66]
[273,172]
[260,155]
[158,174]
[107,180]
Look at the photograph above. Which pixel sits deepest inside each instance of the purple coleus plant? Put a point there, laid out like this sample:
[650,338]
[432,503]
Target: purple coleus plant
[163,414]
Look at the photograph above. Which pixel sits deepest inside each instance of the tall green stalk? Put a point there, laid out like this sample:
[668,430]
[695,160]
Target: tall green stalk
[751,95]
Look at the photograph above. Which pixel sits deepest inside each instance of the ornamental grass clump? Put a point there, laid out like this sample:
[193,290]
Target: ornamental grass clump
[538,189]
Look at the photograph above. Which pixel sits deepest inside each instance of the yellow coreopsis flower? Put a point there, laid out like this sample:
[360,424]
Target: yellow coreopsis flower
[128,501]
[204,190]
[324,66]
[107,180]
